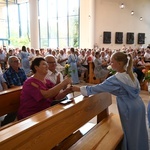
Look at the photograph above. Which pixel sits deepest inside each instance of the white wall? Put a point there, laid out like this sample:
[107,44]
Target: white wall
[107,16]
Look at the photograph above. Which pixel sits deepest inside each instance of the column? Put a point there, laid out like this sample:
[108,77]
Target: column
[87,20]
[34,25]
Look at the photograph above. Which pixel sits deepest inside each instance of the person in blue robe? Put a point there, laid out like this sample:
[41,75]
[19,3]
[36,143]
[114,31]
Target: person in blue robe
[25,60]
[72,61]
[125,86]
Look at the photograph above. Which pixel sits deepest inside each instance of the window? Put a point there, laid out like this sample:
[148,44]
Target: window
[59,23]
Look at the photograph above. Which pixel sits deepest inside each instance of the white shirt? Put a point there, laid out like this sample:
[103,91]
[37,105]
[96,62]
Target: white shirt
[83,59]
[147,56]
[53,76]
[62,57]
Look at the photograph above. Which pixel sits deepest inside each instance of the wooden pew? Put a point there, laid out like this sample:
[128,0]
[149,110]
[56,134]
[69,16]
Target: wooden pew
[92,78]
[104,136]
[9,100]
[56,125]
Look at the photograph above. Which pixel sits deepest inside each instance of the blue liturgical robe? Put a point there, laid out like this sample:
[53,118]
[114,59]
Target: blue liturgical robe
[130,106]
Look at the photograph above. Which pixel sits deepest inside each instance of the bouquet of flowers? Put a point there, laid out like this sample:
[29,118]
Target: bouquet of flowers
[146,75]
[68,71]
[111,71]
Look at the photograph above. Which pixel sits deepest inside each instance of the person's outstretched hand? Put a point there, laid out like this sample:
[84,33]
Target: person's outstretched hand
[75,89]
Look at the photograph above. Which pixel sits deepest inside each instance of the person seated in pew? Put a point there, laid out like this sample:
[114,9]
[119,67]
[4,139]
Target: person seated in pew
[14,76]
[125,86]
[99,71]
[3,85]
[138,70]
[38,92]
[53,75]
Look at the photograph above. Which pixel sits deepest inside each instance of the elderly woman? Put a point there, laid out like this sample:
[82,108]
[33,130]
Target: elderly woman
[99,71]
[38,92]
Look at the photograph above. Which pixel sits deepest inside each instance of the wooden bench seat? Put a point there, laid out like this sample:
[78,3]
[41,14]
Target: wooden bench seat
[59,126]
[9,103]
[106,135]
[9,100]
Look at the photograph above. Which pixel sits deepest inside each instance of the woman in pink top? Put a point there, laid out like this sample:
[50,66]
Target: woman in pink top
[38,92]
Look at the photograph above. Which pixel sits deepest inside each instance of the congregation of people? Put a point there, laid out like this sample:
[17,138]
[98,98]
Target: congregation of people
[42,73]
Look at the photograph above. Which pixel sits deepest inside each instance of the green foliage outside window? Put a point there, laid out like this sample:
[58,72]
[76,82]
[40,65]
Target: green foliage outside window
[18,42]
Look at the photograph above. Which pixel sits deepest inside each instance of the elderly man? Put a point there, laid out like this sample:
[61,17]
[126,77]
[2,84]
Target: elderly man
[14,75]
[53,75]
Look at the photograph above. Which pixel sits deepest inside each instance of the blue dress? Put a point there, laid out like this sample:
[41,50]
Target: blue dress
[72,61]
[131,110]
[25,62]
[148,113]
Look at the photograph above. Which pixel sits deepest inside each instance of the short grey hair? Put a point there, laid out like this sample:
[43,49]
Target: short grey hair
[10,59]
[49,56]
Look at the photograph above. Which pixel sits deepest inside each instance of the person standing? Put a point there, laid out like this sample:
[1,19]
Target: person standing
[125,86]
[72,61]
[25,60]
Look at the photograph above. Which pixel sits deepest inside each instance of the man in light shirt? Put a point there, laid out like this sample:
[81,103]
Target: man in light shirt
[53,75]
[147,55]
[62,58]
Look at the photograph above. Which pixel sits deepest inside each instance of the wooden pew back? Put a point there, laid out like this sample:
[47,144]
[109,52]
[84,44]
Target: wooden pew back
[92,78]
[49,127]
[9,100]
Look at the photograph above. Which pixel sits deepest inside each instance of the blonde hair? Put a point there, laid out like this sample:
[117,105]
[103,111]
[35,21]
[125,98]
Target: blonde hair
[127,62]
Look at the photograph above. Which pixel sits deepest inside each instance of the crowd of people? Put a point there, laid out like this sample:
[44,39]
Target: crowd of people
[42,75]
[77,58]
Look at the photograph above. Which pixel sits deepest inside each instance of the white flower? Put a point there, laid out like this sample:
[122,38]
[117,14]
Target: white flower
[109,67]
